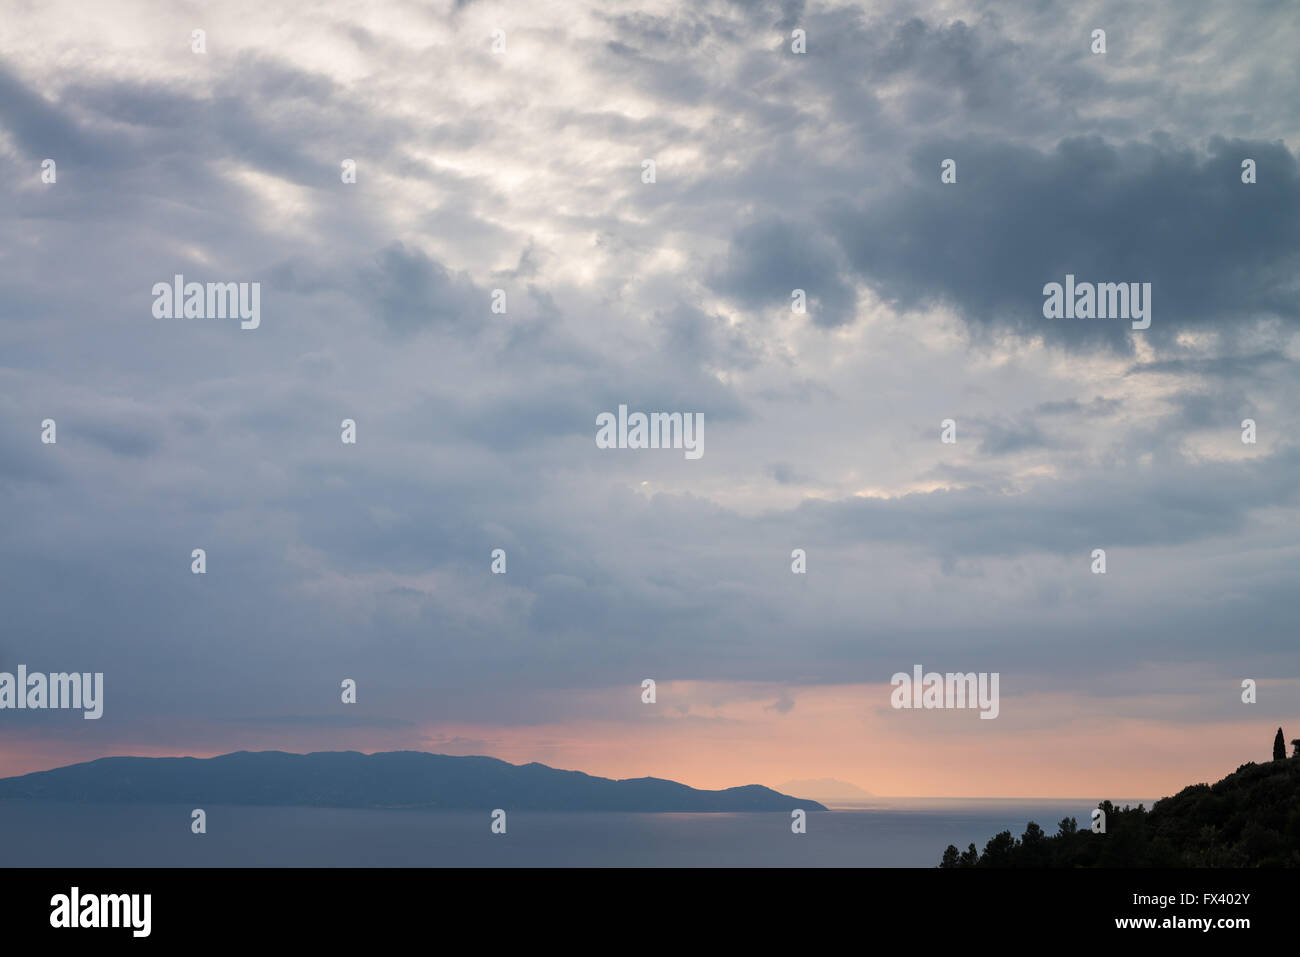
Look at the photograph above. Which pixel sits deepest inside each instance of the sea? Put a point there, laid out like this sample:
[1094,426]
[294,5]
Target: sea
[893,832]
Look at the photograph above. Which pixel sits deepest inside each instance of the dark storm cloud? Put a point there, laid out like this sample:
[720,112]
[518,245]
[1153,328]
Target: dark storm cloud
[771,258]
[22,460]
[1001,439]
[1217,409]
[411,291]
[44,129]
[1173,505]
[1229,367]
[663,78]
[1214,249]
[689,332]
[127,436]
[784,473]
[1097,407]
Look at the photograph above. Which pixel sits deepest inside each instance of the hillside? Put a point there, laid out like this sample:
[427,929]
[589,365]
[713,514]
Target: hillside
[1249,819]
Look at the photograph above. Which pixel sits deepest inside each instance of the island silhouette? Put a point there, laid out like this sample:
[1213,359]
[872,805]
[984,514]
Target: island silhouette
[390,779]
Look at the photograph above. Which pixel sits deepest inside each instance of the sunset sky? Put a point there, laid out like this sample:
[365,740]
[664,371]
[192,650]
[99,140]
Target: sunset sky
[521,170]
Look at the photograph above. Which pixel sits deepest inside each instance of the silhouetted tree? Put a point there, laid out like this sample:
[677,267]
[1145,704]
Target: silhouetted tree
[1249,819]
[1068,825]
[1033,850]
[1295,747]
[1279,746]
[998,851]
[950,857]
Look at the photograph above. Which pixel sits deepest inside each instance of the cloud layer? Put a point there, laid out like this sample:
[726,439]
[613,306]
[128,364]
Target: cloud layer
[522,171]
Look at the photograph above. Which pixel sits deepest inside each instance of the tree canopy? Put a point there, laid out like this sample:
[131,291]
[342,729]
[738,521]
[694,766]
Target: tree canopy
[1249,819]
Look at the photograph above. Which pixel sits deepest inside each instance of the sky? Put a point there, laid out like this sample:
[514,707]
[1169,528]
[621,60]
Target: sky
[521,169]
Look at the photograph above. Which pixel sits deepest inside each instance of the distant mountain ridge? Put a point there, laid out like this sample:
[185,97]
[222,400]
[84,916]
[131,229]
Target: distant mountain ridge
[387,779]
[828,789]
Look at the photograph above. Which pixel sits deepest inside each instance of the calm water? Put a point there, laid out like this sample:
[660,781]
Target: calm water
[78,835]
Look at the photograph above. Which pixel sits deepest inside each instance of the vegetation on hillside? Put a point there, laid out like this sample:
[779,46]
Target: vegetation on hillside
[1249,819]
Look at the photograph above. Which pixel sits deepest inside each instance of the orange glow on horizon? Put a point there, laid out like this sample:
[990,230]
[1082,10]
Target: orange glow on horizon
[719,735]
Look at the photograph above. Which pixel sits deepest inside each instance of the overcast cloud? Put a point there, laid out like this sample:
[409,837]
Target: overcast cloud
[522,171]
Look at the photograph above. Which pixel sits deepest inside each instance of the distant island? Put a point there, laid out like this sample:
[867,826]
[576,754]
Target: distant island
[1249,819]
[827,789]
[412,779]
